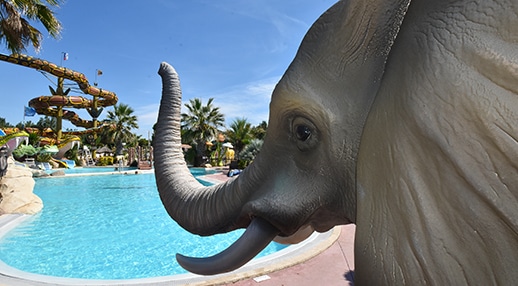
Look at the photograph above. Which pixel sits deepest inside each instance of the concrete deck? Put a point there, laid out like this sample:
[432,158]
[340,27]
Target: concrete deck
[334,266]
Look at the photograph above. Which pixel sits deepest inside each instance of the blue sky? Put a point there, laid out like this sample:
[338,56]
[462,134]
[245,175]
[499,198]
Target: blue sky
[232,50]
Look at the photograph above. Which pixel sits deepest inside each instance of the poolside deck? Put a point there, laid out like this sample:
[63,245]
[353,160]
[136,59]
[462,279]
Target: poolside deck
[334,266]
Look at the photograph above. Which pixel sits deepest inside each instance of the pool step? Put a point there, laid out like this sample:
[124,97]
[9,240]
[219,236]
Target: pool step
[9,221]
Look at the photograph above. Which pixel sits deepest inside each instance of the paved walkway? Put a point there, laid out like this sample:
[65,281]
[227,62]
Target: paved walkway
[335,266]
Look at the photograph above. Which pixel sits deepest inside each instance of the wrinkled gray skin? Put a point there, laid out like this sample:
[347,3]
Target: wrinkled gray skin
[400,117]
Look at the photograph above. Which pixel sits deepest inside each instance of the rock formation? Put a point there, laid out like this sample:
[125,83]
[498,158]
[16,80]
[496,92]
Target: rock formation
[16,191]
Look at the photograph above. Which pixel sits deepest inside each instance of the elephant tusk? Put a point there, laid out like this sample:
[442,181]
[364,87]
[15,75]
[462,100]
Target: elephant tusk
[256,237]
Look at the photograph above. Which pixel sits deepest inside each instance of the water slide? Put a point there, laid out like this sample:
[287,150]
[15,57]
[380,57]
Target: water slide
[12,140]
[61,164]
[50,105]
[69,140]
[66,145]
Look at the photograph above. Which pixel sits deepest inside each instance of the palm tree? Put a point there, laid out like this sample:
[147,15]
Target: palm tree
[200,124]
[259,131]
[15,29]
[239,134]
[46,122]
[4,123]
[124,121]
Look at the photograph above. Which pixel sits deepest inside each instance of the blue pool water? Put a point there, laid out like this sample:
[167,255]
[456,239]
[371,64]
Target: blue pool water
[105,227]
[84,170]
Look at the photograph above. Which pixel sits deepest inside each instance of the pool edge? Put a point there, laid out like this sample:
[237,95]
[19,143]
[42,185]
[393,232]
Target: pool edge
[285,258]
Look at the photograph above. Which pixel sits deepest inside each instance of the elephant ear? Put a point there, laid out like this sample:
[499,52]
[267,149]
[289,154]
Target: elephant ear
[438,156]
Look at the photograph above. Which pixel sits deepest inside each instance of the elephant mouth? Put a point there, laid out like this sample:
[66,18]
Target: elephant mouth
[255,238]
[299,236]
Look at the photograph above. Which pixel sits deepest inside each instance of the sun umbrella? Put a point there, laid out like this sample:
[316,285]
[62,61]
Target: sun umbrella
[227,145]
[104,149]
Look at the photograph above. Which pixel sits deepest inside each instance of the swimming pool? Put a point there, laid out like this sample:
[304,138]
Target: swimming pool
[104,227]
[85,170]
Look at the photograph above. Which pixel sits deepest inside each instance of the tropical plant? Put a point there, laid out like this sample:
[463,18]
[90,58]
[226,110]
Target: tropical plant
[22,125]
[47,122]
[200,125]
[123,121]
[103,136]
[34,139]
[87,139]
[72,154]
[259,131]
[250,152]
[217,151]
[143,142]
[4,123]
[43,157]
[105,161]
[239,134]
[16,31]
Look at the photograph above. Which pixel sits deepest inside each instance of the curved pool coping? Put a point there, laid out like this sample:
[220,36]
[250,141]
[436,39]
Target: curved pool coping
[289,256]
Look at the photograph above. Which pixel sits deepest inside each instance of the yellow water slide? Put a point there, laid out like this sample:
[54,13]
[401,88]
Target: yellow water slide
[53,105]
[13,139]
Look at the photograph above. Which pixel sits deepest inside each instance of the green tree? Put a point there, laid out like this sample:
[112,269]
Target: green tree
[200,124]
[4,123]
[239,134]
[123,121]
[22,125]
[259,131]
[104,135]
[72,154]
[47,122]
[143,142]
[15,28]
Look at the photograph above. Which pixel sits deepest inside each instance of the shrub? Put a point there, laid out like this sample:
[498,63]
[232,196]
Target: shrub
[43,157]
[105,161]
[248,154]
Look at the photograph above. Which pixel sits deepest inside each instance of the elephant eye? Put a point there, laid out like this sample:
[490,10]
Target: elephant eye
[303,132]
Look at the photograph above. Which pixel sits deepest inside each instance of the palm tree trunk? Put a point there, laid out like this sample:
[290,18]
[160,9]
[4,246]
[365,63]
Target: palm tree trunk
[119,148]
[201,158]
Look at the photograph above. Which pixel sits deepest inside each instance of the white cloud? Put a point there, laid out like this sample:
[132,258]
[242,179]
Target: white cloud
[282,28]
[146,116]
[250,100]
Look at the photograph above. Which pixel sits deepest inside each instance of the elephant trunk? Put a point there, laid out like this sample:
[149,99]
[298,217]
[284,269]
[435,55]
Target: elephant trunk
[199,209]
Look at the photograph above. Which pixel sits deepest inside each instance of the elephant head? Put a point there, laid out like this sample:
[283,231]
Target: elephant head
[399,117]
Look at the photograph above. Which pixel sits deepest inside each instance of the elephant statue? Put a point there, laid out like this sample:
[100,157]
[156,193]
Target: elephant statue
[398,116]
